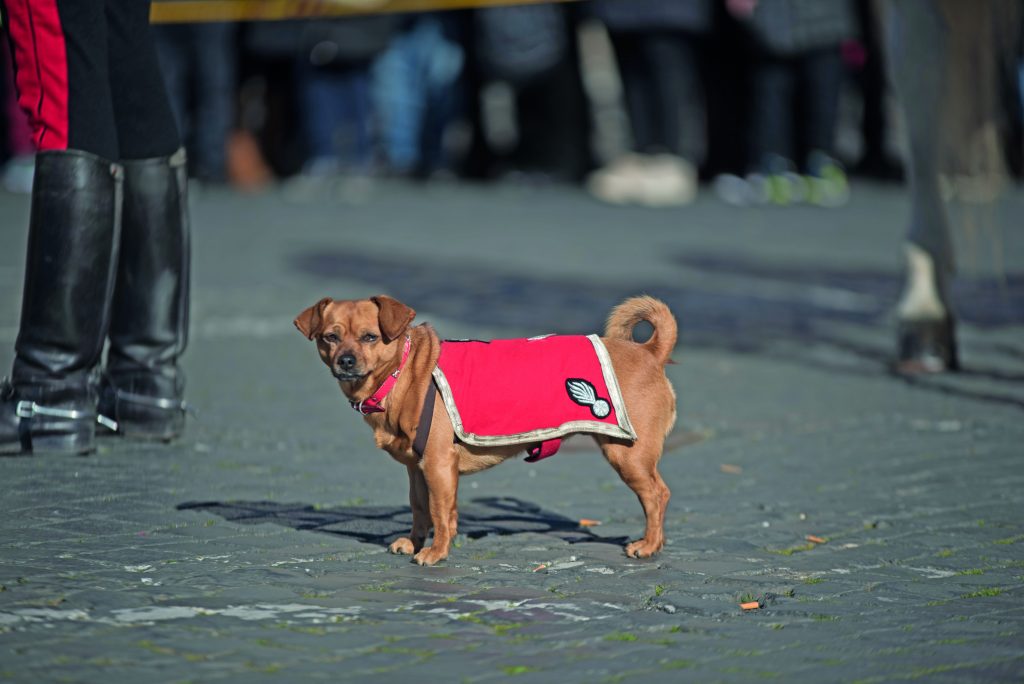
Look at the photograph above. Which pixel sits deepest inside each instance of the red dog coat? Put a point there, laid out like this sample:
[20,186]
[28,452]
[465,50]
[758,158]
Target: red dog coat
[531,391]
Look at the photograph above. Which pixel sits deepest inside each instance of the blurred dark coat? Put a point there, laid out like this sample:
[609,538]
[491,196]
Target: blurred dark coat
[788,27]
[646,15]
[519,43]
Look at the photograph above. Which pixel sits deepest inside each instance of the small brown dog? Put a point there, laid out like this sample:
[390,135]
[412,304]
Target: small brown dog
[387,371]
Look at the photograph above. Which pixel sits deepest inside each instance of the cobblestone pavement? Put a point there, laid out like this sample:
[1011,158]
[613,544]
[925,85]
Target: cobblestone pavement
[254,549]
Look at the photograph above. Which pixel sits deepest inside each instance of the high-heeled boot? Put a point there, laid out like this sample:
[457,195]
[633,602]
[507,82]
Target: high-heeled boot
[927,329]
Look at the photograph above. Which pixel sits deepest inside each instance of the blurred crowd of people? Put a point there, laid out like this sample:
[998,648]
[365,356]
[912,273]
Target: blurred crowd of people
[637,100]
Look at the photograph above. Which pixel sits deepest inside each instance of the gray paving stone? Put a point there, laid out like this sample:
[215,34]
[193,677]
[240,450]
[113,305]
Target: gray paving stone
[254,548]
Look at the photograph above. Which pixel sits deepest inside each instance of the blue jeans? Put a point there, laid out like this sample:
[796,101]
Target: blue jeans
[415,94]
[337,116]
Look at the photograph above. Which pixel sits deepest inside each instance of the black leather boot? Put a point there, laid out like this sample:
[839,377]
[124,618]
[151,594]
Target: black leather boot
[143,387]
[49,404]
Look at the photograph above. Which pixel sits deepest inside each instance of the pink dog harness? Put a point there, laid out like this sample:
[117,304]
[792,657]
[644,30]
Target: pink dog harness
[531,392]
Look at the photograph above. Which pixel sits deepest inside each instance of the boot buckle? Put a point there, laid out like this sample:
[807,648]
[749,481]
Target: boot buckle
[28,409]
[106,422]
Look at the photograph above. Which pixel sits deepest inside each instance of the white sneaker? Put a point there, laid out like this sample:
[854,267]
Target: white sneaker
[618,182]
[667,181]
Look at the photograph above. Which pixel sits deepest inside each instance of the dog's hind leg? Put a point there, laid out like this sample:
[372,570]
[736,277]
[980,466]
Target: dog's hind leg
[637,465]
[419,502]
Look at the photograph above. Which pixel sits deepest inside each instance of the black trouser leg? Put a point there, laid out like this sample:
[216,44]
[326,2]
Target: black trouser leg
[872,84]
[639,87]
[822,72]
[142,110]
[149,319]
[774,87]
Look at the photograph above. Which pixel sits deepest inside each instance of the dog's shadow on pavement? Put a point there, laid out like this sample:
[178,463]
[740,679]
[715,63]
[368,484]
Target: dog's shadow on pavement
[384,524]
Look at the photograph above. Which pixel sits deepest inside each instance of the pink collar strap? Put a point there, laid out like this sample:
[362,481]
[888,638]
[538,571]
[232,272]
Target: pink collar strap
[372,404]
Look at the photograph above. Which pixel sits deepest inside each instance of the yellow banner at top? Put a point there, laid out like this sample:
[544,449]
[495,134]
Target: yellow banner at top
[190,11]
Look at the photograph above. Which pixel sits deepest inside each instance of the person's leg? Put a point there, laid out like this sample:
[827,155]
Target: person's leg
[822,74]
[675,80]
[576,158]
[773,178]
[443,60]
[552,120]
[917,45]
[142,110]
[362,118]
[216,72]
[319,92]
[621,180]
[774,86]
[873,86]
[669,178]
[143,385]
[548,110]
[399,94]
[639,88]
[177,63]
[59,47]
[353,134]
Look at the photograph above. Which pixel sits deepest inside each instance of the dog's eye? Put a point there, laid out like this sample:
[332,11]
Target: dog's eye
[369,337]
[332,338]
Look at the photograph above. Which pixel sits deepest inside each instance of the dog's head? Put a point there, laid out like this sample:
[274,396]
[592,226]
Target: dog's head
[356,339]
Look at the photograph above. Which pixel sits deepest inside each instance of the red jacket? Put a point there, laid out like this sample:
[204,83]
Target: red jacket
[530,391]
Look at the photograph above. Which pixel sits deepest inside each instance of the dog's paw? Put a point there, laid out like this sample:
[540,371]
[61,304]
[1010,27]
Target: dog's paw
[642,549]
[430,556]
[403,547]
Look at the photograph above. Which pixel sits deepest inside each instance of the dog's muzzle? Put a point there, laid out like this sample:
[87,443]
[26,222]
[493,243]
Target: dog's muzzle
[344,368]
[343,376]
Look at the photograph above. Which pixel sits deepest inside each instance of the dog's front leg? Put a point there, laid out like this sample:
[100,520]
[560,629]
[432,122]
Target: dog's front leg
[419,502]
[440,468]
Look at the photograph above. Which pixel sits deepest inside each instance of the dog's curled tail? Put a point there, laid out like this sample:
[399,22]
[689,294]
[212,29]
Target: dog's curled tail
[626,315]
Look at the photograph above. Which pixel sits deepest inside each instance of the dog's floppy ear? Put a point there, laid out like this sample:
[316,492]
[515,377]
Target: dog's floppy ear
[394,316]
[310,321]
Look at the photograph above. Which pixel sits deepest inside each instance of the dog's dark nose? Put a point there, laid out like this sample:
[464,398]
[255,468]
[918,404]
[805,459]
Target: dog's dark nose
[347,362]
